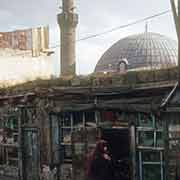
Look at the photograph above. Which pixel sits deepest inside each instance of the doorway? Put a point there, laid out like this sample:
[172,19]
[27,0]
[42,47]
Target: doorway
[119,147]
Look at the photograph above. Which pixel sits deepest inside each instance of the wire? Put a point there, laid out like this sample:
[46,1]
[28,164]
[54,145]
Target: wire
[115,28]
[119,27]
[124,26]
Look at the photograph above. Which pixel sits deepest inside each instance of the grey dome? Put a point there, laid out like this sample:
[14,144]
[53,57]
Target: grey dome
[146,50]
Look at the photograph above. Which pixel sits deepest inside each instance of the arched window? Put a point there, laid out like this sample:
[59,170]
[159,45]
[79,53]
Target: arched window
[122,66]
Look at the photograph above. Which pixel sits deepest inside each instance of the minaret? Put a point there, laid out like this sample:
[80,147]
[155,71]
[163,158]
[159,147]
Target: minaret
[68,21]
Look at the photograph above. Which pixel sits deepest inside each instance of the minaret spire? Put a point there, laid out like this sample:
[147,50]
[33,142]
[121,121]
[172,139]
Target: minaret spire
[68,21]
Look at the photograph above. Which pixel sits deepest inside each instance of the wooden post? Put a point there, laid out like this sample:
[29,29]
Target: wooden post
[166,121]
[176,15]
[133,150]
[20,156]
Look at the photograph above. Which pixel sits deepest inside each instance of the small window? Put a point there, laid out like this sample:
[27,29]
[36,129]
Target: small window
[122,66]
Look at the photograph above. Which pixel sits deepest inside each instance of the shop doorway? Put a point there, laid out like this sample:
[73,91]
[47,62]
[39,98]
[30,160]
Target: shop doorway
[119,147]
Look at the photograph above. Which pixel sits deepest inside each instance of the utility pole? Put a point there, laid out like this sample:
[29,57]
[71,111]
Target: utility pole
[176,15]
[68,21]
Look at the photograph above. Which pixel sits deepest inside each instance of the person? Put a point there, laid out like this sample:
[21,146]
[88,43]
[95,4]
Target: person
[100,166]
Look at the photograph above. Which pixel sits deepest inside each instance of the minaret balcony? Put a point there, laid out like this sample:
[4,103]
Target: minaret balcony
[67,19]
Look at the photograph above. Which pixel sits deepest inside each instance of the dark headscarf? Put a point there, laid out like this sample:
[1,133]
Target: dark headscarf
[97,152]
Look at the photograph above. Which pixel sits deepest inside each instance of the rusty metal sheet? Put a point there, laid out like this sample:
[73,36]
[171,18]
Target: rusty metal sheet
[27,39]
[20,39]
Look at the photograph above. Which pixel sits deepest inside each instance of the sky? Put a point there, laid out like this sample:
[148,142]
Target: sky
[95,16]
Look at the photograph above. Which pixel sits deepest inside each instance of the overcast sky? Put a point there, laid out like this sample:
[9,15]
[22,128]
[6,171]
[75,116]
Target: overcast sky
[94,16]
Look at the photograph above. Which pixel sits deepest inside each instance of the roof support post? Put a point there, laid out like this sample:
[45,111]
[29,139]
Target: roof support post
[176,15]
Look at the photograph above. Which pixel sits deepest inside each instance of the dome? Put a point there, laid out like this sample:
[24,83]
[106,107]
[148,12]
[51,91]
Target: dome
[141,51]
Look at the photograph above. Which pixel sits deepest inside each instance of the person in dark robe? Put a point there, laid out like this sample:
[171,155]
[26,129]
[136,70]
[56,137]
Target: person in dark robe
[100,166]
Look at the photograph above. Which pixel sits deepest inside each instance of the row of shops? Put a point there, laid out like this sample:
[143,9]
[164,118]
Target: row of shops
[48,134]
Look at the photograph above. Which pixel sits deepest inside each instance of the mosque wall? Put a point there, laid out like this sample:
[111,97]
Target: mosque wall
[24,56]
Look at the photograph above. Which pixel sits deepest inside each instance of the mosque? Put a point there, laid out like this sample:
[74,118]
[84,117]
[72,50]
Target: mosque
[138,52]
[132,100]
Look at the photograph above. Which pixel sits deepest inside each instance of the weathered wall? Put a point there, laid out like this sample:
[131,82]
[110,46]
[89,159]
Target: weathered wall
[35,39]
[20,66]
[25,56]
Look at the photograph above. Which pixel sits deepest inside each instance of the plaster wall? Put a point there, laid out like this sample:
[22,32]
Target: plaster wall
[19,66]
